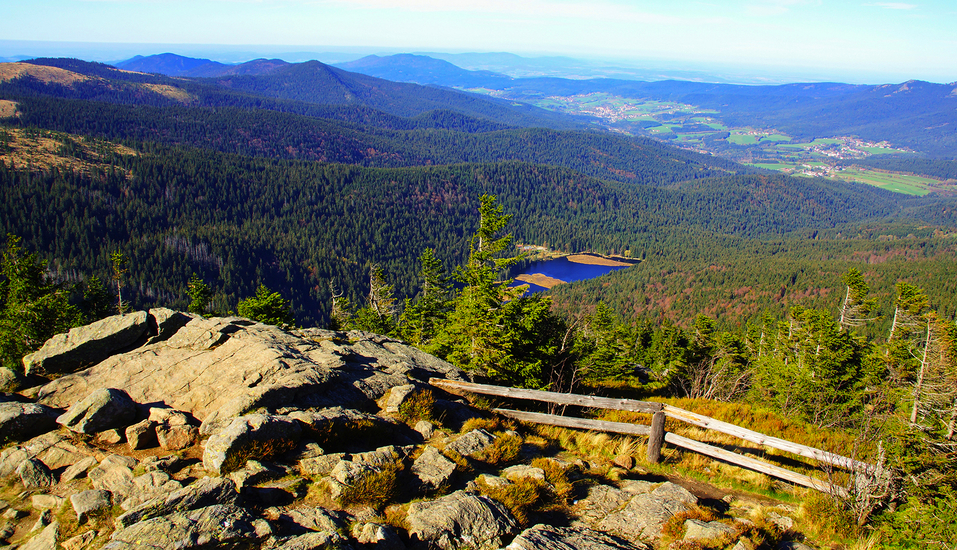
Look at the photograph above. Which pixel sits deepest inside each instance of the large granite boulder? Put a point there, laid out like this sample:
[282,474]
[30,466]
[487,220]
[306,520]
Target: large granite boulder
[103,409]
[220,368]
[85,346]
[461,520]
[217,526]
[208,491]
[20,421]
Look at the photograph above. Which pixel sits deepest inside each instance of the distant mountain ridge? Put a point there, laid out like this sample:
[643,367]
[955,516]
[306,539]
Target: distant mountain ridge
[170,64]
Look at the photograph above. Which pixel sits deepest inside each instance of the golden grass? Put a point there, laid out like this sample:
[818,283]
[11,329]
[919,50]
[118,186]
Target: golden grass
[503,451]
[539,279]
[7,108]
[595,260]
[522,497]
[376,489]
[48,75]
[43,150]
[172,92]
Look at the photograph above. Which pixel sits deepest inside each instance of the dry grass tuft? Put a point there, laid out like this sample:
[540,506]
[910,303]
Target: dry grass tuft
[419,406]
[521,498]
[503,451]
[376,489]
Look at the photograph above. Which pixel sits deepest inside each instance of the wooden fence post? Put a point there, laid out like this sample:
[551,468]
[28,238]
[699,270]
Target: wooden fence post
[657,437]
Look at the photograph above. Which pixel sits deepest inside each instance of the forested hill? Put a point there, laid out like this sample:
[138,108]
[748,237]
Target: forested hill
[310,82]
[299,226]
[242,188]
[915,114]
[154,111]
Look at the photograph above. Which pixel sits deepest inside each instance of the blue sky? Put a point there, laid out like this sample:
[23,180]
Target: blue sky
[886,41]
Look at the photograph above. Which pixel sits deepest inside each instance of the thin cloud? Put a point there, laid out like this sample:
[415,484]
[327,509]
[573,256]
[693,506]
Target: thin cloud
[893,5]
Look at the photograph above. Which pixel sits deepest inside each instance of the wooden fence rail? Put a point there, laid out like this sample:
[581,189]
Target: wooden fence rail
[656,433]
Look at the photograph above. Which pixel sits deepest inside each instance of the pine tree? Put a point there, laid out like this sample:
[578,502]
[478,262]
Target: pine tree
[199,295]
[33,306]
[266,307]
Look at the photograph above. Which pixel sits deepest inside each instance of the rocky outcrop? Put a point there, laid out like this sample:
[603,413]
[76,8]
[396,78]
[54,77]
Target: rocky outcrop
[305,443]
[221,368]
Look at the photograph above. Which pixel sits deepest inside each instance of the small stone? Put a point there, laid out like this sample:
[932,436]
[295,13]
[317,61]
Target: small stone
[46,502]
[80,541]
[177,436]
[425,428]
[14,514]
[34,473]
[89,502]
[170,417]
[109,437]
[320,465]
[432,469]
[523,471]
[625,461]
[141,435]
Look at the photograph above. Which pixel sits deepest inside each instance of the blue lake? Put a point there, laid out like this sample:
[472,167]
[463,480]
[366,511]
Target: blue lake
[565,270]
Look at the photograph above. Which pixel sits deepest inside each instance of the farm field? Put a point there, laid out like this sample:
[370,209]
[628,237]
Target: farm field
[698,129]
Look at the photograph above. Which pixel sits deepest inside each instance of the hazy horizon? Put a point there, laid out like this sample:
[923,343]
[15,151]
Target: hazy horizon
[640,69]
[858,41]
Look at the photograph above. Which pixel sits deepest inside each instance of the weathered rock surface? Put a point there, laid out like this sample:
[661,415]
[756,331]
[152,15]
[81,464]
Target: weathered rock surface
[205,492]
[216,369]
[472,443]
[89,502]
[102,409]
[54,449]
[432,470]
[461,520]
[34,473]
[255,436]
[646,513]
[85,346]
[696,529]
[548,537]
[45,540]
[20,421]
[212,526]
[278,406]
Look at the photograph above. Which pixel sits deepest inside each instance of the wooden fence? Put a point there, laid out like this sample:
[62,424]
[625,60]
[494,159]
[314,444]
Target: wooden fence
[657,435]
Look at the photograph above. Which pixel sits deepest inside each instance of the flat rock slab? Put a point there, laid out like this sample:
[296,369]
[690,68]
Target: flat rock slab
[646,513]
[85,346]
[209,527]
[208,491]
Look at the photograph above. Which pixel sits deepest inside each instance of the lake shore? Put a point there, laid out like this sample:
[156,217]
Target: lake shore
[543,281]
[596,260]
